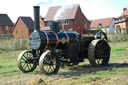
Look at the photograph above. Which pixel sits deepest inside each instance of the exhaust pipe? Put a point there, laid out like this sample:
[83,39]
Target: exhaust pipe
[37,18]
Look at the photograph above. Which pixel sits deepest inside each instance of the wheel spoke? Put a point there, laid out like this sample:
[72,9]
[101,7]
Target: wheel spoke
[23,65]
[23,59]
[29,67]
[47,69]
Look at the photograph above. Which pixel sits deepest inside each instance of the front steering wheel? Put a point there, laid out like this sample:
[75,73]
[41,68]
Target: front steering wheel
[101,35]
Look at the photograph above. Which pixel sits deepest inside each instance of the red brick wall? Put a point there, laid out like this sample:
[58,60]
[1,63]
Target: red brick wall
[122,25]
[20,30]
[68,26]
[80,20]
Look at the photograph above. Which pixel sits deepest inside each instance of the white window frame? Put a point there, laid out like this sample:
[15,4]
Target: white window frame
[65,22]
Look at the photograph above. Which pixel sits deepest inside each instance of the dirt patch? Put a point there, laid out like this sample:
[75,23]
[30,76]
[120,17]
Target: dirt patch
[36,82]
[116,80]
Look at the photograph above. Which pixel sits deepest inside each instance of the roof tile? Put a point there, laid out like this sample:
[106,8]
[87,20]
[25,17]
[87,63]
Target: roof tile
[104,22]
[61,12]
[5,20]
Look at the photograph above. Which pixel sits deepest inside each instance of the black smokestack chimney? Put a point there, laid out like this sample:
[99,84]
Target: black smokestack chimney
[37,18]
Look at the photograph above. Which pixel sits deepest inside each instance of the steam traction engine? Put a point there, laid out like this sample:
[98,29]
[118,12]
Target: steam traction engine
[50,50]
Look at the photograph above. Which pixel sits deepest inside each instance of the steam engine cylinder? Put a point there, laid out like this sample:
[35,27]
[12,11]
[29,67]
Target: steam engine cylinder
[51,40]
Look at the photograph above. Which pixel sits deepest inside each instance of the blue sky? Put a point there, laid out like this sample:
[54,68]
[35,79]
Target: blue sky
[92,9]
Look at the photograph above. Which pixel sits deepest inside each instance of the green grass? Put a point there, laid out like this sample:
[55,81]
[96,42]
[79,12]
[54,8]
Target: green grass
[8,62]
[102,75]
[9,69]
[118,54]
[119,44]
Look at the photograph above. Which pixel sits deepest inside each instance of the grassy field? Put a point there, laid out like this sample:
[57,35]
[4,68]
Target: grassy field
[116,73]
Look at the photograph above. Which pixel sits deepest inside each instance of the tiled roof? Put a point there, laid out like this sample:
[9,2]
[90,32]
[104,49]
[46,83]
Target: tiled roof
[28,22]
[61,12]
[5,20]
[104,22]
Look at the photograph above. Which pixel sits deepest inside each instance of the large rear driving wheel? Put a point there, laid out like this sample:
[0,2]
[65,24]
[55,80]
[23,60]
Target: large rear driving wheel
[99,52]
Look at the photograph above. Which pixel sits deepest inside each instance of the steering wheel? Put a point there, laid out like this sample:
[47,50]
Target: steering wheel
[101,35]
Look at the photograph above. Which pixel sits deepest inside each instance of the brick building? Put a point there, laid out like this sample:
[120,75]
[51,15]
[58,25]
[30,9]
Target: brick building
[6,24]
[69,17]
[105,24]
[121,23]
[23,27]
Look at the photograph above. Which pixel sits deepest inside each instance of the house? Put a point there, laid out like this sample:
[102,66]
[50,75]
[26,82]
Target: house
[42,26]
[69,17]
[23,27]
[121,23]
[6,24]
[106,24]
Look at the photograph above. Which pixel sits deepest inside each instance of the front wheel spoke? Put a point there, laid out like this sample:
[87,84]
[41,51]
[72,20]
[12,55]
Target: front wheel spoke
[29,67]
[48,69]
[22,62]
[52,69]
[23,59]
[25,66]
[45,67]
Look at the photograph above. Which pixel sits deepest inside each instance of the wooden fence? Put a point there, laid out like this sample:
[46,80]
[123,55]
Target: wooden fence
[6,36]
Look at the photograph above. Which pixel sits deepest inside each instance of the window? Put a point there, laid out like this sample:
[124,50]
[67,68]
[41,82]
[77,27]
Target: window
[49,23]
[100,25]
[6,28]
[65,22]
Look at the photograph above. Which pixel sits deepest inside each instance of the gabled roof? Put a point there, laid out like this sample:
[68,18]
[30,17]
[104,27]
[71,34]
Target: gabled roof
[103,22]
[5,20]
[28,22]
[61,12]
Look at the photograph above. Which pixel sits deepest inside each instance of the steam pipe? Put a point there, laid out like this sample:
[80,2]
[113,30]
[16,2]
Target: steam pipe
[37,18]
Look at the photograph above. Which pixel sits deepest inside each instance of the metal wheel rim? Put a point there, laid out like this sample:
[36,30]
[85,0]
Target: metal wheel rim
[23,63]
[49,68]
[98,54]
[49,63]
[102,51]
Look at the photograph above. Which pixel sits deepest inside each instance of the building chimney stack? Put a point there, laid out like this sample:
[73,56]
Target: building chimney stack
[124,9]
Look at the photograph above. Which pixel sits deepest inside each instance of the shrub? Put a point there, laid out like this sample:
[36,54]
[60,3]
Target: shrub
[118,37]
[14,44]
